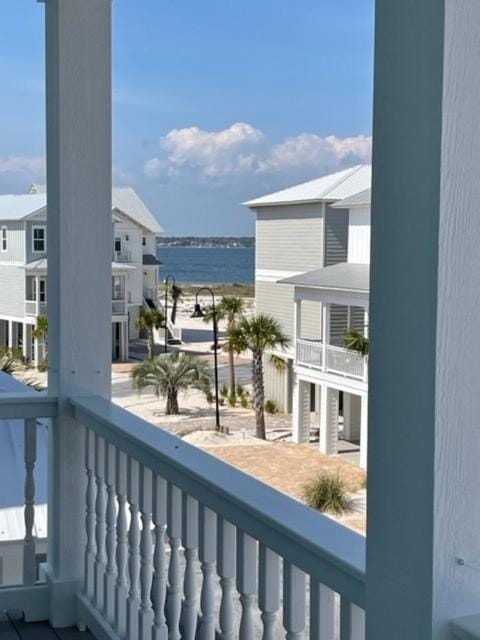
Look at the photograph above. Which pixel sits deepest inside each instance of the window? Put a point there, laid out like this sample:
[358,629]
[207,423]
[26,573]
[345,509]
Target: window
[31,288]
[118,287]
[39,239]
[118,245]
[144,241]
[127,238]
[43,290]
[4,239]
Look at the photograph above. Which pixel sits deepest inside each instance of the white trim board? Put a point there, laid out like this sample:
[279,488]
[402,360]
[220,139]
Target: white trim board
[274,275]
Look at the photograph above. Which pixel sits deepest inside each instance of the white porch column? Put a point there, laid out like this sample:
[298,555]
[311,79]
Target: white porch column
[351,416]
[79,185]
[328,437]
[363,430]
[325,331]
[301,411]
[424,440]
[10,334]
[297,325]
[25,337]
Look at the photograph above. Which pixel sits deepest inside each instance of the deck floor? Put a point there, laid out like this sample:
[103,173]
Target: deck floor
[12,628]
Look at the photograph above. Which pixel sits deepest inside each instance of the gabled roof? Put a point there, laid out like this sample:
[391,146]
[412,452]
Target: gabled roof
[42,265]
[362,199]
[344,276]
[329,188]
[124,199]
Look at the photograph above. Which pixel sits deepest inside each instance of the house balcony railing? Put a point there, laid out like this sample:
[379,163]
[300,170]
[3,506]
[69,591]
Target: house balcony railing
[122,256]
[179,544]
[35,308]
[331,359]
[119,307]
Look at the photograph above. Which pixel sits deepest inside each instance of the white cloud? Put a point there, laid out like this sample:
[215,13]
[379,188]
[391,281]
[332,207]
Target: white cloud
[243,150]
[22,164]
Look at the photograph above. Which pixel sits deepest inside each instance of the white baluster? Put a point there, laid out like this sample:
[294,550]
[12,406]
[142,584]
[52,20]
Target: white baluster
[207,554]
[89,567]
[110,569]
[352,621]
[146,553]
[322,611]
[133,600]
[190,544]
[174,590]
[268,590]
[30,456]
[121,585]
[293,601]
[159,587]
[100,522]
[246,582]
[226,561]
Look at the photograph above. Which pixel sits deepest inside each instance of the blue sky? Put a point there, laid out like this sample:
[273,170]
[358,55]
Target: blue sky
[214,102]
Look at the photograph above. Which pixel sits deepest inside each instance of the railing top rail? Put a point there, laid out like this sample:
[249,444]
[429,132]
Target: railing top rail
[331,553]
[350,352]
[310,343]
[24,405]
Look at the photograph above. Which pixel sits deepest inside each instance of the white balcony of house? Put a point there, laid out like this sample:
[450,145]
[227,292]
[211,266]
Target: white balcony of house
[36,289]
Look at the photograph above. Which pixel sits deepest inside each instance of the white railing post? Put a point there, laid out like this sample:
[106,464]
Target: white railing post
[325,332]
[424,436]
[79,179]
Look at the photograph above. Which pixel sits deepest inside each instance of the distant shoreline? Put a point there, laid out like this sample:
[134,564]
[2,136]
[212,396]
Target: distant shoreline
[207,242]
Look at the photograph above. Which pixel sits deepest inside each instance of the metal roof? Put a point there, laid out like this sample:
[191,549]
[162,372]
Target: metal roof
[42,265]
[124,199]
[150,260]
[344,276]
[329,188]
[12,471]
[362,199]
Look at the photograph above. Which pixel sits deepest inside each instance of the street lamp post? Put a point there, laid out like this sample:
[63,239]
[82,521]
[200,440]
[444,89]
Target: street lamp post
[198,313]
[172,278]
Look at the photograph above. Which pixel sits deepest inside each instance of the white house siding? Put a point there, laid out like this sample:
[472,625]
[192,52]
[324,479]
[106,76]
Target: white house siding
[12,291]
[359,236]
[289,238]
[15,242]
[278,384]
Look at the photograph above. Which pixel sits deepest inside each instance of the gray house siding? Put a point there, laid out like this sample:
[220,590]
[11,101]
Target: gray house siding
[336,236]
[289,238]
[15,242]
[276,300]
[12,291]
[32,256]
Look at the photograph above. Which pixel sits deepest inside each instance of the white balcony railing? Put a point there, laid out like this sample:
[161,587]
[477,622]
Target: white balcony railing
[339,361]
[122,256]
[33,308]
[119,307]
[179,544]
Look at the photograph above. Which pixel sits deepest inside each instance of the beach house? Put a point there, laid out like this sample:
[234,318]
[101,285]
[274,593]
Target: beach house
[297,230]
[150,537]
[24,249]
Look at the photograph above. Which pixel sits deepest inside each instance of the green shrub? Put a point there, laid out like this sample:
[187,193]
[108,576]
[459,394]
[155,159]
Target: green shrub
[271,406]
[244,402]
[240,391]
[42,366]
[327,492]
[232,400]
[224,391]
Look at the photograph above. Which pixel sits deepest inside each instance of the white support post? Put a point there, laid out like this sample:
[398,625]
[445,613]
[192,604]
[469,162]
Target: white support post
[328,437]
[297,326]
[301,411]
[25,337]
[10,334]
[325,332]
[424,435]
[363,430]
[79,188]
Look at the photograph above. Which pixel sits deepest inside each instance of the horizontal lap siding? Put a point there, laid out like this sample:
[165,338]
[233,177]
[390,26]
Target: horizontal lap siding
[12,291]
[336,236]
[289,238]
[278,385]
[359,236]
[15,243]
[276,300]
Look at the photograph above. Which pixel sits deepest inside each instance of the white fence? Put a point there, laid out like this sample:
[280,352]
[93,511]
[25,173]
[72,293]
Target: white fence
[337,360]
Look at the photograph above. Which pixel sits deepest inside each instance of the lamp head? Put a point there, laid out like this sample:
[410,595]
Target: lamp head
[197,311]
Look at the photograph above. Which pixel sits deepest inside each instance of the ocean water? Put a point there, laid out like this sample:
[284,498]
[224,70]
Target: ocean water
[208,265]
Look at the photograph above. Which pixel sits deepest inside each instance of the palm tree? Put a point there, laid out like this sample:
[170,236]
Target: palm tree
[149,320]
[356,341]
[230,309]
[170,373]
[258,334]
[40,332]
[176,294]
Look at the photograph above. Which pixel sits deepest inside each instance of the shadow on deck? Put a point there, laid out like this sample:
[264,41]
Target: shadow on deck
[13,627]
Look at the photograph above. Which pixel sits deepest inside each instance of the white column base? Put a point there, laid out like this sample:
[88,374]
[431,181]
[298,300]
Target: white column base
[328,437]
